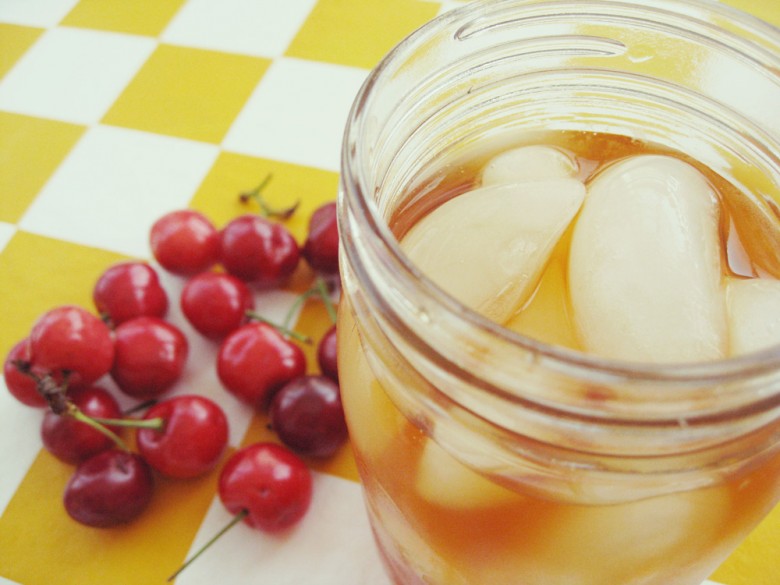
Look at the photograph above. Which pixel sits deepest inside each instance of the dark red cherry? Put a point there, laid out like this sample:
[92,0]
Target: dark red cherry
[327,355]
[308,416]
[111,488]
[321,248]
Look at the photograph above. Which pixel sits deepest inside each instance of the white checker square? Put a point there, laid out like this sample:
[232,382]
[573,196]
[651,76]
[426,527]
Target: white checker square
[297,113]
[332,544]
[20,445]
[73,74]
[262,28]
[41,13]
[7,231]
[121,181]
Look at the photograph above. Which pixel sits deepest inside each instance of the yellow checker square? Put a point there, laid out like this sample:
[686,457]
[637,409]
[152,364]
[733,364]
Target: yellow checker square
[232,174]
[186,92]
[754,562]
[14,42]
[40,273]
[30,151]
[147,550]
[358,33]
[141,17]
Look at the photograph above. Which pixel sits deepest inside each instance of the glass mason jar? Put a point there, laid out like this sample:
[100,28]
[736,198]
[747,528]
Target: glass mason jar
[487,456]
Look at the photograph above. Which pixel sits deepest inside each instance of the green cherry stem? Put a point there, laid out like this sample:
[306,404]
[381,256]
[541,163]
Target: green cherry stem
[283,329]
[324,294]
[233,521]
[266,210]
[156,424]
[74,412]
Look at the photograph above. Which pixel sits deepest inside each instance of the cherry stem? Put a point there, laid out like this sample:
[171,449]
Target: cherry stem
[235,520]
[60,404]
[74,412]
[283,329]
[320,289]
[156,424]
[265,209]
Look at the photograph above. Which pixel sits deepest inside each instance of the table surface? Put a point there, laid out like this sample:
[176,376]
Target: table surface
[113,113]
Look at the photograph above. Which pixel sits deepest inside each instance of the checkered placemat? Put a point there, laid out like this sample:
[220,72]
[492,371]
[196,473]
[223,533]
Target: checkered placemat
[113,112]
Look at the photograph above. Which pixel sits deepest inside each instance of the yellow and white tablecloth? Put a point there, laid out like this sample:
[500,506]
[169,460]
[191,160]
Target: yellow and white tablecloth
[113,112]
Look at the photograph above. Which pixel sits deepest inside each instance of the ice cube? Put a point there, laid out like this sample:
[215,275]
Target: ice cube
[754,314]
[528,163]
[374,421]
[488,246]
[644,265]
[628,543]
[443,480]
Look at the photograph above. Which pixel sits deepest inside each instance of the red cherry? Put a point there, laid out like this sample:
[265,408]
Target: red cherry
[128,290]
[22,386]
[321,248]
[150,356]
[184,242]
[255,360]
[73,441]
[308,416]
[192,440]
[268,483]
[70,340]
[327,355]
[108,489]
[259,251]
[216,303]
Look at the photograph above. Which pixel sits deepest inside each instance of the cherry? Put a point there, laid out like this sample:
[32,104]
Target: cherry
[73,441]
[259,251]
[327,355]
[109,489]
[308,416]
[128,290]
[321,248]
[150,356]
[264,485]
[267,483]
[192,439]
[255,360]
[71,341]
[21,385]
[216,303]
[184,242]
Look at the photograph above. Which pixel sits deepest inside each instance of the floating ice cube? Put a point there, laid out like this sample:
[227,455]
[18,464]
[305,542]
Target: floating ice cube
[626,543]
[754,314]
[528,163]
[644,266]
[374,421]
[487,247]
[443,480]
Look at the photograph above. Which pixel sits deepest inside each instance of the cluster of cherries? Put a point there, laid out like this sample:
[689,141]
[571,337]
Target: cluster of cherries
[69,349]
